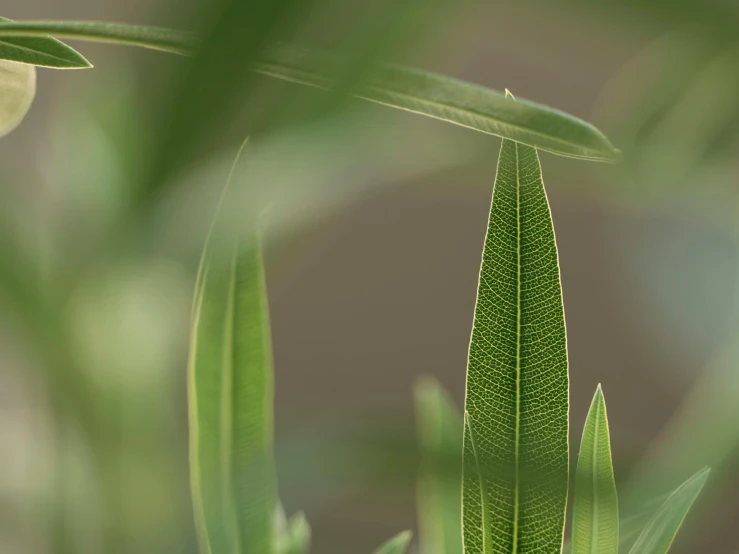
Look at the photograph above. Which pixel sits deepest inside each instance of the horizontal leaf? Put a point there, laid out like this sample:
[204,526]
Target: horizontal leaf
[439,481]
[660,532]
[516,437]
[40,50]
[595,511]
[17,91]
[397,545]
[416,91]
[231,404]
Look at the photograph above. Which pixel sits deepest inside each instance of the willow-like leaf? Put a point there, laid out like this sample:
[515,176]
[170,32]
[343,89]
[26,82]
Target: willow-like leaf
[40,50]
[421,92]
[595,512]
[231,404]
[660,532]
[439,482]
[397,545]
[515,445]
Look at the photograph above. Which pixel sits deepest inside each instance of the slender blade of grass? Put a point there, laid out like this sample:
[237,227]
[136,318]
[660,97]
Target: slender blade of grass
[40,50]
[231,404]
[516,436]
[421,92]
[397,545]
[595,523]
[440,475]
[660,532]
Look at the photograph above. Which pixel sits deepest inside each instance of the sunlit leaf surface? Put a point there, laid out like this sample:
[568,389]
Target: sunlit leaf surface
[515,445]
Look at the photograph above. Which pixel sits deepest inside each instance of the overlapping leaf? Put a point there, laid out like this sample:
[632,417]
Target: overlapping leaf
[231,404]
[40,50]
[425,93]
[516,432]
[595,512]
[17,91]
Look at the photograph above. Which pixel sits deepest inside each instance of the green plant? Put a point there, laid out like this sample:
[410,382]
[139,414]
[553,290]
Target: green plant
[515,458]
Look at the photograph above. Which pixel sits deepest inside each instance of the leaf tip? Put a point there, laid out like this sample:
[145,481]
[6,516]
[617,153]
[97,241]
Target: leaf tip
[508,94]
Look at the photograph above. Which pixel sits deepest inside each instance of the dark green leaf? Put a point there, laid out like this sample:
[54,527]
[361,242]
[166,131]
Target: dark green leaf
[40,50]
[515,446]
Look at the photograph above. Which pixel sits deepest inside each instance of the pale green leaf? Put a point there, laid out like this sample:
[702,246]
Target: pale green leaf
[40,50]
[296,537]
[397,545]
[516,437]
[660,532]
[595,512]
[440,474]
[421,92]
[231,404]
[17,90]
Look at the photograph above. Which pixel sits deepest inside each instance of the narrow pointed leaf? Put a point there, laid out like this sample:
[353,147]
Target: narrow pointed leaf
[595,512]
[515,444]
[17,91]
[231,404]
[660,532]
[440,473]
[40,50]
[416,91]
[397,545]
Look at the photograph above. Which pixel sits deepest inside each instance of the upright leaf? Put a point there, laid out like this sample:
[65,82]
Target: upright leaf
[397,545]
[440,474]
[660,532]
[595,512]
[40,50]
[515,444]
[231,404]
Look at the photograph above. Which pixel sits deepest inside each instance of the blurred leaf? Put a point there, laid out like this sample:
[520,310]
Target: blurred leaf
[658,535]
[595,511]
[214,76]
[450,100]
[297,536]
[440,477]
[231,403]
[17,90]
[39,50]
[517,383]
[397,545]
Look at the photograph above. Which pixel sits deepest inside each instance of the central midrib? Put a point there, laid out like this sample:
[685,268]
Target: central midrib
[516,474]
[594,522]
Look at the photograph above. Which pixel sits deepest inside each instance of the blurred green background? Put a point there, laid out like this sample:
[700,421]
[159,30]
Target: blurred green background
[376,224]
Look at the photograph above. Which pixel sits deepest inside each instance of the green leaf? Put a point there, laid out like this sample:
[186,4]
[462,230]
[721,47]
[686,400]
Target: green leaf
[40,50]
[595,512]
[231,403]
[17,90]
[516,433]
[397,545]
[660,532]
[421,92]
[440,473]
[296,537]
